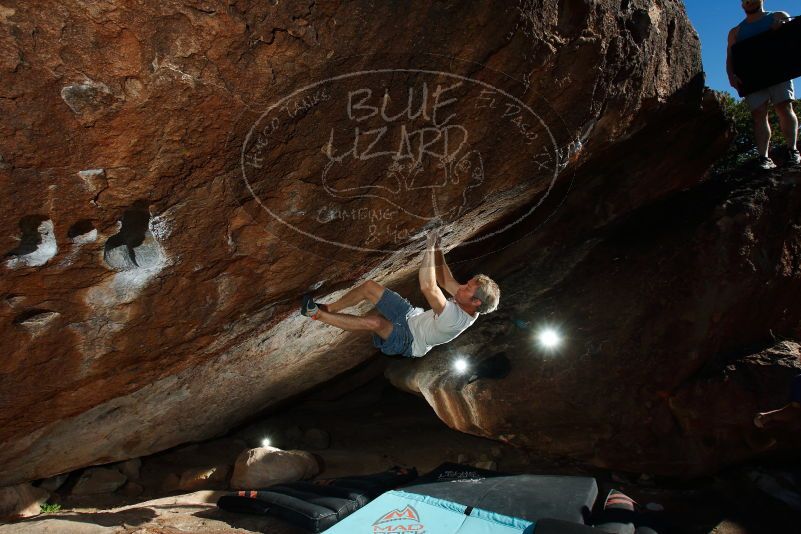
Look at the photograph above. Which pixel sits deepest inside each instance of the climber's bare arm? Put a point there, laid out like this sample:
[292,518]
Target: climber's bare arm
[428,281]
[444,277]
[734,80]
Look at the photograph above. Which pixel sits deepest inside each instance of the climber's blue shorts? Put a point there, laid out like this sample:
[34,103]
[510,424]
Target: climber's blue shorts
[395,308]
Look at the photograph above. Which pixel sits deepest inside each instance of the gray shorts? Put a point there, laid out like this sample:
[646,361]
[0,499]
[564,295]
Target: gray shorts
[395,308]
[781,92]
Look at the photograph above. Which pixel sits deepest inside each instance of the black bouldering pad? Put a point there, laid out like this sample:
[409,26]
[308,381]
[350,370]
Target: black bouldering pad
[316,506]
[768,58]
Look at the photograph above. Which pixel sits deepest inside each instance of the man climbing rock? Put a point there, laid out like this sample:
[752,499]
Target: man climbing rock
[399,328]
[757,21]
[789,414]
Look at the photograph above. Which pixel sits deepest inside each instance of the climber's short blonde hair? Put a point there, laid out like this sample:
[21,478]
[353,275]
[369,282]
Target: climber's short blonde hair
[487,292]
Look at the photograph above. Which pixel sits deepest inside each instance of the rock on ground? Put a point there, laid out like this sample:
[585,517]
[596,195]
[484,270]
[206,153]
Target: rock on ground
[130,468]
[266,466]
[214,477]
[21,500]
[99,480]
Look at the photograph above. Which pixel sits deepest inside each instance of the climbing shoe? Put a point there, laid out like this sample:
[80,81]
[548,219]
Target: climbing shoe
[308,307]
[793,158]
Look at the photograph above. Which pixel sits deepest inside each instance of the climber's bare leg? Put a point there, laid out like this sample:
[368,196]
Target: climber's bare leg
[368,290]
[371,322]
[787,414]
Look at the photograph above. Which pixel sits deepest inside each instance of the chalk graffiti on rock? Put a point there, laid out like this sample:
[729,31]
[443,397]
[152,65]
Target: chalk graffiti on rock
[393,152]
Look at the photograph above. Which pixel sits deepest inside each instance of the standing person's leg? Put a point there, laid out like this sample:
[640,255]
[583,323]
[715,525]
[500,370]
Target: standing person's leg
[758,104]
[782,96]
[761,129]
[789,125]
[788,122]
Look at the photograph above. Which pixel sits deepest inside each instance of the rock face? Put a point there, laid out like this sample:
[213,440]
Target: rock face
[175,176]
[670,319]
[21,500]
[204,478]
[99,480]
[130,468]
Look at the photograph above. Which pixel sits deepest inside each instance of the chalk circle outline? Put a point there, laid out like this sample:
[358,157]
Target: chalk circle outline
[557,161]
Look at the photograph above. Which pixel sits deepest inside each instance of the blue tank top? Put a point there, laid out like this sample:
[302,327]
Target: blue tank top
[747,30]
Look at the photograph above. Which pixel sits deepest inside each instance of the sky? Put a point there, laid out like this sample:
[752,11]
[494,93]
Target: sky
[712,20]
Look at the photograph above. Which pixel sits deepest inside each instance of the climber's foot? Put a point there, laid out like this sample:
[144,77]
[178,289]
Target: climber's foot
[308,307]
